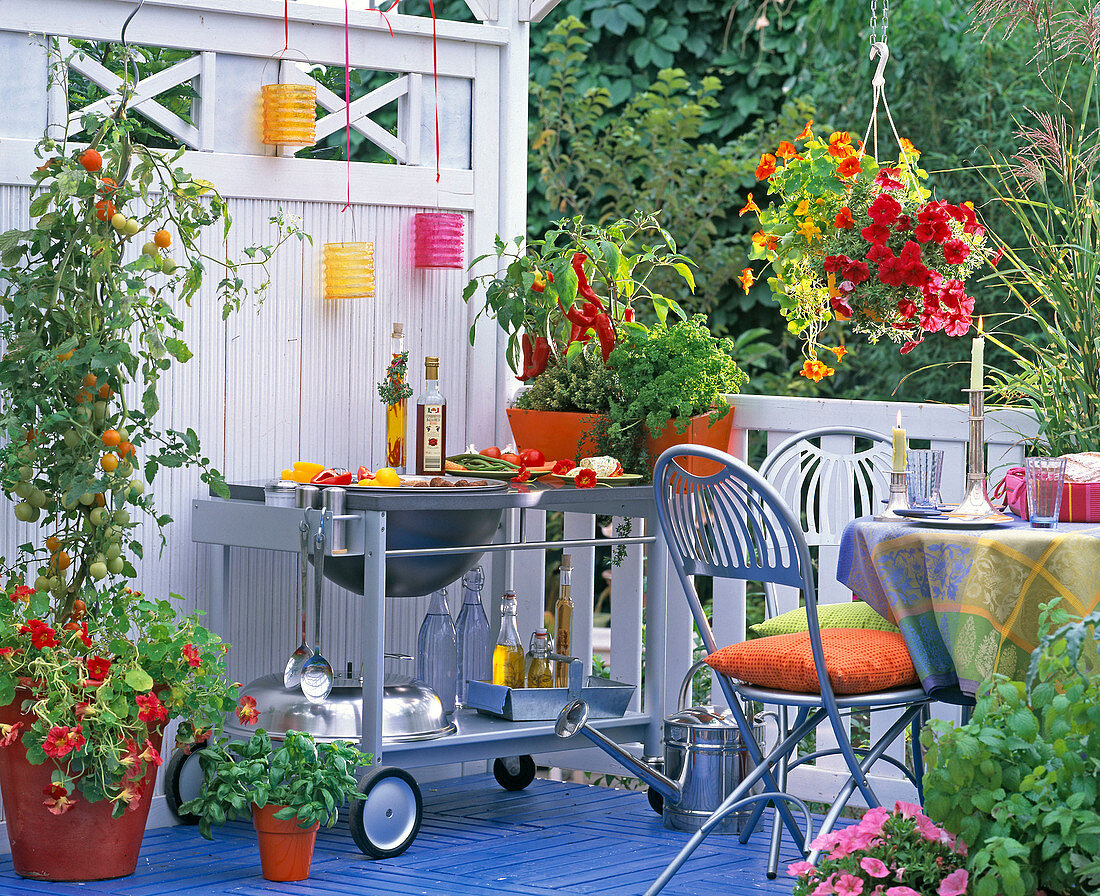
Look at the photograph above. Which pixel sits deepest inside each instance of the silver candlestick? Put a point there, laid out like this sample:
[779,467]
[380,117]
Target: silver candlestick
[976,502]
[899,496]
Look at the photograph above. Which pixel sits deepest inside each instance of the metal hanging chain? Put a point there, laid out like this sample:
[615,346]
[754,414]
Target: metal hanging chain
[881,50]
[875,36]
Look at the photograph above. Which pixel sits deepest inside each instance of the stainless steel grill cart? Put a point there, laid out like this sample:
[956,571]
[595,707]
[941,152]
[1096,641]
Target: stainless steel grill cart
[405,534]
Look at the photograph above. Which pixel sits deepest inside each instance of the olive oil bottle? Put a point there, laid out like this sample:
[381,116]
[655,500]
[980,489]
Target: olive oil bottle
[508,659]
[563,620]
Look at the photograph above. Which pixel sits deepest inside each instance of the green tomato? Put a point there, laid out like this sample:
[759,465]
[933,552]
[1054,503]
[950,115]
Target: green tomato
[151,249]
[168,265]
[124,434]
[121,517]
[98,570]
[99,410]
[23,489]
[38,498]
[113,550]
[99,516]
[113,533]
[70,503]
[118,222]
[124,468]
[133,225]
[26,474]
[26,513]
[87,499]
[115,565]
[42,584]
[83,413]
[72,438]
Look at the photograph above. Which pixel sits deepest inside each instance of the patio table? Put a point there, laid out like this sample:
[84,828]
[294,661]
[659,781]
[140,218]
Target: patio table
[967,600]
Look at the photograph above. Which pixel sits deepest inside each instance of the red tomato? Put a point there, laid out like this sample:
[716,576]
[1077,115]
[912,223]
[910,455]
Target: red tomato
[532,457]
[91,160]
[490,452]
[512,458]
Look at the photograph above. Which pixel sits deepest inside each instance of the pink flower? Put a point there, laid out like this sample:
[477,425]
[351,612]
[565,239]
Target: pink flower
[874,867]
[797,869]
[912,344]
[954,884]
[848,885]
[823,842]
[902,891]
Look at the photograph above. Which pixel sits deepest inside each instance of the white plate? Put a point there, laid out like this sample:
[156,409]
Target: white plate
[952,522]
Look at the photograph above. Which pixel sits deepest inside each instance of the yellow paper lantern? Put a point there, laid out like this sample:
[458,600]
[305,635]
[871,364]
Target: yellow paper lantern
[348,270]
[290,114]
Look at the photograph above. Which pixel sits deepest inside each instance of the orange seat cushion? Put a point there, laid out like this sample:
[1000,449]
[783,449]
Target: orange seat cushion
[859,661]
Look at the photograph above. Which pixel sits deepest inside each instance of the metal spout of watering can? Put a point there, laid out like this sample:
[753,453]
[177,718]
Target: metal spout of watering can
[573,719]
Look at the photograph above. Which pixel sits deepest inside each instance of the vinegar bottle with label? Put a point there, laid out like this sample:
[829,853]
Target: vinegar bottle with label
[508,659]
[563,620]
[431,424]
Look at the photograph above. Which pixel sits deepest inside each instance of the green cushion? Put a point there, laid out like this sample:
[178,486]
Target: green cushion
[855,614]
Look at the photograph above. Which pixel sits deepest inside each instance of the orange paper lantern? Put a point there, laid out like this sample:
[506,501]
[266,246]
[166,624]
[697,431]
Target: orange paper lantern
[348,270]
[290,114]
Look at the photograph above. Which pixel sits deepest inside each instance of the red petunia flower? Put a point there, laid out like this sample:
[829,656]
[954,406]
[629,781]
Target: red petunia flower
[62,740]
[766,168]
[585,479]
[246,710]
[9,734]
[887,178]
[955,251]
[98,668]
[57,799]
[996,257]
[884,210]
[844,219]
[562,467]
[878,252]
[909,346]
[7,651]
[903,224]
[151,709]
[876,233]
[42,635]
[191,654]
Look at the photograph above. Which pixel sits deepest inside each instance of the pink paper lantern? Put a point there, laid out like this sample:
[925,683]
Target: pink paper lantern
[439,240]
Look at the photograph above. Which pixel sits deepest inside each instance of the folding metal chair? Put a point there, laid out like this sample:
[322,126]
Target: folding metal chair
[734,524]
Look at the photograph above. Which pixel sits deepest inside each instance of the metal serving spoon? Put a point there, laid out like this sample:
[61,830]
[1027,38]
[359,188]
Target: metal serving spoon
[292,674]
[317,671]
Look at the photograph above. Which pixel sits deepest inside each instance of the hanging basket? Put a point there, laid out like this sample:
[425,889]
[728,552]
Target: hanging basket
[290,114]
[348,270]
[439,240]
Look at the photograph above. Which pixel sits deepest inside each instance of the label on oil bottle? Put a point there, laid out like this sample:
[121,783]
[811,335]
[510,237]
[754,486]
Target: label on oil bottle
[433,437]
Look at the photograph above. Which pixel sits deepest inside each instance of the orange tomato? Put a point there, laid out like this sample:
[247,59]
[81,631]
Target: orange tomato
[62,560]
[105,210]
[125,449]
[107,185]
[64,356]
[105,392]
[162,238]
[111,438]
[79,609]
[91,160]
[53,543]
[82,396]
[89,381]
[109,462]
[100,501]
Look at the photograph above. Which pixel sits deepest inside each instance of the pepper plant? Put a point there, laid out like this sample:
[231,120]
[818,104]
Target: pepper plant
[310,780]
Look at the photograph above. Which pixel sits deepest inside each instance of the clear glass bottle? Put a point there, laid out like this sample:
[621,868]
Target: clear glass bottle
[563,620]
[397,414]
[431,424]
[539,674]
[437,651]
[508,665]
[475,642]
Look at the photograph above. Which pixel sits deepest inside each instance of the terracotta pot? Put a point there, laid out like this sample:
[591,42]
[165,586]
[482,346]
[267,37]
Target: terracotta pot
[85,843]
[557,434]
[286,850]
[699,432]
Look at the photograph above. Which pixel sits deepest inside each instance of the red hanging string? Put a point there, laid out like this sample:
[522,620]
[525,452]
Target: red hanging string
[286,26]
[347,98]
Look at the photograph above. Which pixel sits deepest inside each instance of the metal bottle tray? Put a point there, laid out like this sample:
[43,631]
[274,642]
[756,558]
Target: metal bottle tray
[606,699]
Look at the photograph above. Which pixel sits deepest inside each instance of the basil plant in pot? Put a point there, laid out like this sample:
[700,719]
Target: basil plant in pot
[569,304]
[91,670]
[289,790]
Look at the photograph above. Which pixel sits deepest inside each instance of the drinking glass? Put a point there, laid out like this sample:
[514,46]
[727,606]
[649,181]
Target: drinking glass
[925,467]
[1044,477]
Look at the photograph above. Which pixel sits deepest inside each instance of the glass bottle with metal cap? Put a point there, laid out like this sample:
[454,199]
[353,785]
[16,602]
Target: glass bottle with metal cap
[431,424]
[475,642]
[508,659]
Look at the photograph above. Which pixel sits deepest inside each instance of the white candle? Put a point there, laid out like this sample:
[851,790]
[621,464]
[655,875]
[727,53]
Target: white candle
[899,446]
[977,360]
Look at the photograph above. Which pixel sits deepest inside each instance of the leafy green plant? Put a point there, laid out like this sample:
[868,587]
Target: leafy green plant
[310,780]
[1019,781]
[672,373]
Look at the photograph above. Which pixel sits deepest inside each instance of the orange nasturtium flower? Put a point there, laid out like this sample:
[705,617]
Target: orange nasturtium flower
[786,150]
[746,279]
[806,134]
[803,208]
[909,149]
[809,229]
[750,206]
[844,219]
[840,351]
[816,370]
[766,168]
[765,241]
[849,167]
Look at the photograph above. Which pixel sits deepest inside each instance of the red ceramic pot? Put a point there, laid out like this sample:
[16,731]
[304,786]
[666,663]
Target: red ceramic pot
[559,435]
[286,850]
[699,432]
[85,843]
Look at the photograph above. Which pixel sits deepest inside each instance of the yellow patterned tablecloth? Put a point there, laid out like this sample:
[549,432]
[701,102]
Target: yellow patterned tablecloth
[967,601]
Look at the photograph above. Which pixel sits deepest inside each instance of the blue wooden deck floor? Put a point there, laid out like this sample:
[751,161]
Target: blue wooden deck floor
[552,839]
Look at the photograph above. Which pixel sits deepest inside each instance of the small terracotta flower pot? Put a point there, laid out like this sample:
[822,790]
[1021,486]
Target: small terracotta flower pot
[699,432]
[286,850]
[559,435]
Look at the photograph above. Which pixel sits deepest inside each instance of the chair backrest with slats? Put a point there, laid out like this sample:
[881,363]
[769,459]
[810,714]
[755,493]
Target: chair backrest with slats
[731,524]
[824,474]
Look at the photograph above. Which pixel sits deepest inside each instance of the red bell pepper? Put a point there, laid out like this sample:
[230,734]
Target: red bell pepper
[332,477]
